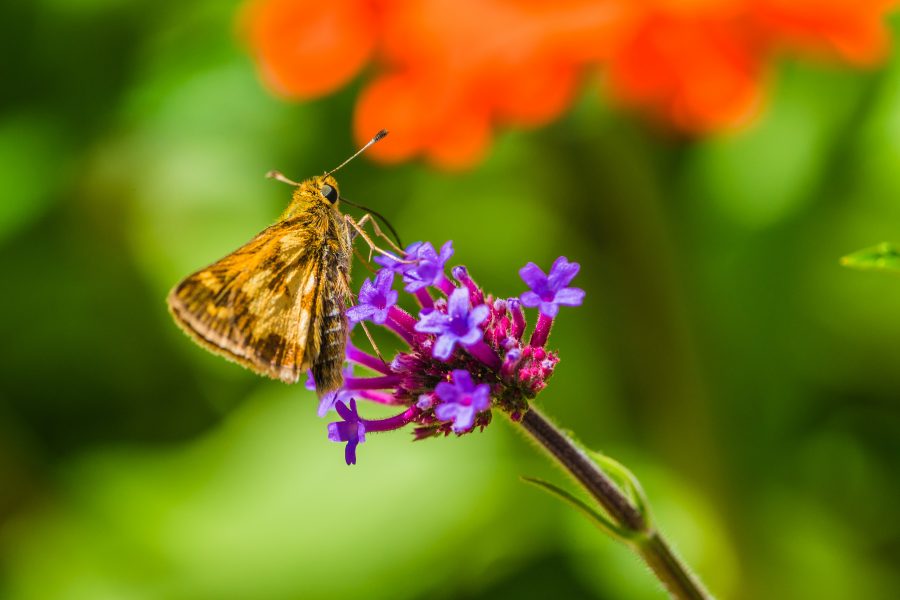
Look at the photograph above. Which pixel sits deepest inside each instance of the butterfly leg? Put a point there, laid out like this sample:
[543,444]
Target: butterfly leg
[372,247]
[365,261]
[363,325]
[367,218]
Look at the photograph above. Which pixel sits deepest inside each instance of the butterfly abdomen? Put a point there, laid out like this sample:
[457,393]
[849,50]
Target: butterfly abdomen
[326,369]
[332,322]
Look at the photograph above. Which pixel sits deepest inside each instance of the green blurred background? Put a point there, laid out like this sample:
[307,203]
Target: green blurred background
[722,353]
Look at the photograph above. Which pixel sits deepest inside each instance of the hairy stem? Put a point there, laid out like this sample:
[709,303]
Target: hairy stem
[647,542]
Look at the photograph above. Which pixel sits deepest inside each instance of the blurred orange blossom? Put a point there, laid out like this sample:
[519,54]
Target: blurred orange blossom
[445,73]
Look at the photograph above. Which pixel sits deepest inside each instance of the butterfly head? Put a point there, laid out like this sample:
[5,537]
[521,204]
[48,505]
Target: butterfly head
[315,191]
[326,190]
[322,189]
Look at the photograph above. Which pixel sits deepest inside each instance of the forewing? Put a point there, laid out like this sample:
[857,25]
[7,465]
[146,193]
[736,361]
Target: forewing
[257,305]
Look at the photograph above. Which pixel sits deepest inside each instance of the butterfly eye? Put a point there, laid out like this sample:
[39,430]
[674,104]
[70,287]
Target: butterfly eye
[330,193]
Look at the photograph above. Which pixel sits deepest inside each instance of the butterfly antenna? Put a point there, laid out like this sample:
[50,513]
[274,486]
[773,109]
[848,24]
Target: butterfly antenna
[279,176]
[378,136]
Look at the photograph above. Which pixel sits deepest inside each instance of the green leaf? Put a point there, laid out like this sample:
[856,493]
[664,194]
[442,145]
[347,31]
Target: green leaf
[883,257]
[627,481]
[602,521]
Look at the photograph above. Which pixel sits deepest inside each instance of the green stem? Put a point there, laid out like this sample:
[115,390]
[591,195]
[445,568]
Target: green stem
[649,544]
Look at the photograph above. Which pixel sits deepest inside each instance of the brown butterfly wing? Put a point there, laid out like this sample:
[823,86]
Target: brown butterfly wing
[259,305]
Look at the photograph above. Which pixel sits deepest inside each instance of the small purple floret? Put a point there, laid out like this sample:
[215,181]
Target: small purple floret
[458,325]
[327,402]
[375,299]
[350,430]
[399,267]
[549,292]
[426,268]
[461,400]
[425,402]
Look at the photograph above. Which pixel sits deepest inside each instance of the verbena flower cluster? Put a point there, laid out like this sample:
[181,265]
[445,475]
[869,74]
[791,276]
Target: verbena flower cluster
[466,352]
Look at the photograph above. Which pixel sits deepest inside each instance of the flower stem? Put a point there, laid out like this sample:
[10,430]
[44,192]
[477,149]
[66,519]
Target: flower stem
[402,323]
[356,355]
[371,383]
[391,423]
[646,541]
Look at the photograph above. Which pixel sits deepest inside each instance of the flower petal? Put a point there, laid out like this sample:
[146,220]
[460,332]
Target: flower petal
[413,283]
[360,312]
[446,251]
[472,336]
[465,418]
[334,432]
[458,303]
[463,380]
[446,391]
[530,299]
[326,403]
[443,347]
[569,296]
[479,314]
[384,279]
[395,98]
[390,298]
[350,452]
[347,414]
[305,48]
[481,397]
[432,321]
[367,289]
[380,317]
[549,309]
[446,412]
[562,273]
[534,277]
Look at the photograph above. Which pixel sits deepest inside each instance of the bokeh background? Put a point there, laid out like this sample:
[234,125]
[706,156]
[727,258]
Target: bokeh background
[722,353]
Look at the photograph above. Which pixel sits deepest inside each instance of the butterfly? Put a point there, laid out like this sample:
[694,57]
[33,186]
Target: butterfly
[276,304]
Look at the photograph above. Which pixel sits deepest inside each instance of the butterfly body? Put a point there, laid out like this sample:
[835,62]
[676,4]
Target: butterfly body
[276,304]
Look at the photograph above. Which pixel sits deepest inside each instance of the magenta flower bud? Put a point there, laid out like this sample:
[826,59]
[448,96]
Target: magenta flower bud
[461,274]
[518,318]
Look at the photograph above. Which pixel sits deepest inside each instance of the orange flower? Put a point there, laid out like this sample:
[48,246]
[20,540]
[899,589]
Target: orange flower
[701,70]
[851,30]
[456,68]
[307,48]
[449,71]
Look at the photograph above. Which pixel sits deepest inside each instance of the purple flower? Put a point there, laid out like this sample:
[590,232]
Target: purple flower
[398,267]
[461,400]
[437,389]
[426,268]
[459,324]
[375,299]
[549,292]
[327,402]
[351,430]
